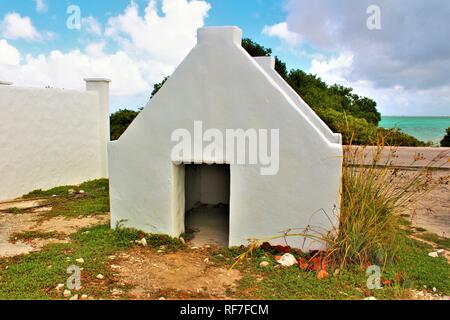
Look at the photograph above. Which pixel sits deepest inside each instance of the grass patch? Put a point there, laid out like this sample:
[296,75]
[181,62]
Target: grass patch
[31,235]
[165,242]
[89,198]
[15,210]
[35,276]
[442,242]
[413,268]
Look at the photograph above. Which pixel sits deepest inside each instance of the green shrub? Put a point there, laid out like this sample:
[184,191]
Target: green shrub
[120,120]
[445,142]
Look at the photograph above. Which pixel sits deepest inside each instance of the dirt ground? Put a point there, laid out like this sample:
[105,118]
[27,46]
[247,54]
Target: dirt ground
[149,274]
[432,212]
[185,274]
[11,223]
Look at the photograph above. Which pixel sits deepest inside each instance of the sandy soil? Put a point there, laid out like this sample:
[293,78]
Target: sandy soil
[432,212]
[18,223]
[185,274]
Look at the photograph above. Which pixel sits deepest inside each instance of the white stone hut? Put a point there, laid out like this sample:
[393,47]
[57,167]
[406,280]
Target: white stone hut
[220,86]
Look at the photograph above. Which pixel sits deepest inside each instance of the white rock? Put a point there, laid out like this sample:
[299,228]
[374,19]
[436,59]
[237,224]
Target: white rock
[433,254]
[59,286]
[113,266]
[84,297]
[441,252]
[142,242]
[162,298]
[116,292]
[67,293]
[182,240]
[264,264]
[80,260]
[100,276]
[370,298]
[75,297]
[287,260]
[434,289]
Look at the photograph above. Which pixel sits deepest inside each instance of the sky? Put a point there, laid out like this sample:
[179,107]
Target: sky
[396,52]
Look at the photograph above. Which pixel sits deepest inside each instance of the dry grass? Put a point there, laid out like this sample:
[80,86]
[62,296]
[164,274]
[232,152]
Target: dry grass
[374,195]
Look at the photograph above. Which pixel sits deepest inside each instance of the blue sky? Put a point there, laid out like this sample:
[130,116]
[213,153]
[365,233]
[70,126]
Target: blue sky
[138,43]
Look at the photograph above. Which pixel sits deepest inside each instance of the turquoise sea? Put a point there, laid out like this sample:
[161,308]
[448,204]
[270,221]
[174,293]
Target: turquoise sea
[423,128]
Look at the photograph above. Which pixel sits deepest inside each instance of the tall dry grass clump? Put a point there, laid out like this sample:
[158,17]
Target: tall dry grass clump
[374,195]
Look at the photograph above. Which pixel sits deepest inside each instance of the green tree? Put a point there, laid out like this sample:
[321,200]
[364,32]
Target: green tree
[445,142]
[120,120]
[257,50]
[158,86]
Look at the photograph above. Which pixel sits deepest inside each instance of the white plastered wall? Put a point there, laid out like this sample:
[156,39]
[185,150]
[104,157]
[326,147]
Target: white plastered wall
[221,85]
[52,137]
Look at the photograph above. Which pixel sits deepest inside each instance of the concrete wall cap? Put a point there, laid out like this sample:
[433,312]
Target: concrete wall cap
[226,34]
[97,80]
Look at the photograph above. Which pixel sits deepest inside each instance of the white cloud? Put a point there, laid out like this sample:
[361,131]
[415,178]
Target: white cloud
[67,70]
[166,38]
[14,26]
[40,6]
[91,25]
[404,66]
[95,49]
[9,55]
[281,31]
[333,70]
[149,47]
[395,100]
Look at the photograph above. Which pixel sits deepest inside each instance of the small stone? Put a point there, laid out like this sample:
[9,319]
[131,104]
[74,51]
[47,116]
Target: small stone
[79,260]
[84,297]
[194,248]
[182,240]
[100,276]
[142,242]
[71,191]
[440,252]
[75,297]
[206,260]
[264,264]
[286,260]
[433,254]
[81,192]
[59,286]
[370,298]
[112,257]
[67,293]
[116,292]
[113,266]
[434,289]
[162,298]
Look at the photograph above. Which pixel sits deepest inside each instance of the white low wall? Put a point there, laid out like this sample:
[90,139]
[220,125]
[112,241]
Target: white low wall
[52,137]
